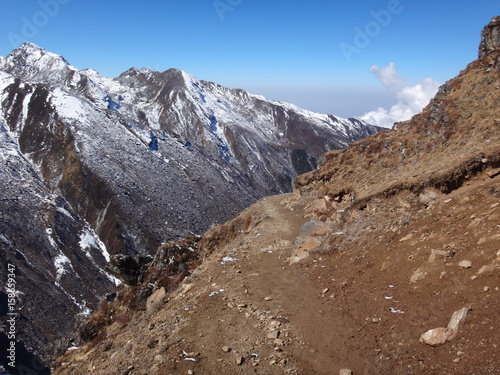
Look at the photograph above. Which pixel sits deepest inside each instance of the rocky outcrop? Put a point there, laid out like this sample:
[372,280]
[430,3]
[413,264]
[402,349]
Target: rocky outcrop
[490,38]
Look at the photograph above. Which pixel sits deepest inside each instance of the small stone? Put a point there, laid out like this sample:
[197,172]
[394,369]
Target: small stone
[239,360]
[465,264]
[190,372]
[407,237]
[435,337]
[346,371]
[226,349]
[273,335]
[325,291]
[268,299]
[493,173]
[456,360]
[439,253]
[282,319]
[278,342]
[376,320]
[448,201]
[486,288]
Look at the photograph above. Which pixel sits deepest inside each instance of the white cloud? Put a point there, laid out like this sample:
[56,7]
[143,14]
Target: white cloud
[389,77]
[410,99]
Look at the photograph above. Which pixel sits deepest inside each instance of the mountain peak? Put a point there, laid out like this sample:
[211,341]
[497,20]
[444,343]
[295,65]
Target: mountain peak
[33,63]
[135,71]
[29,46]
[33,51]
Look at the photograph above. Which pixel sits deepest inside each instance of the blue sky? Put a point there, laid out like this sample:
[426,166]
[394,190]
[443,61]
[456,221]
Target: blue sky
[286,50]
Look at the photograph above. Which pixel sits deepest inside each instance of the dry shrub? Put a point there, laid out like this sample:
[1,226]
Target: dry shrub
[246,223]
[97,323]
[125,317]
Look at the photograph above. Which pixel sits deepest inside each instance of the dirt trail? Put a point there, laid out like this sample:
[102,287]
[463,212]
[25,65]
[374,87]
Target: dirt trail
[380,278]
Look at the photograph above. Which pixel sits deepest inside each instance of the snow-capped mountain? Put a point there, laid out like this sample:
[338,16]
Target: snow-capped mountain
[93,166]
[171,153]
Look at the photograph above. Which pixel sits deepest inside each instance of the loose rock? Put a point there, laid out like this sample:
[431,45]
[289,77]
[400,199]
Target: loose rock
[440,336]
[273,335]
[465,264]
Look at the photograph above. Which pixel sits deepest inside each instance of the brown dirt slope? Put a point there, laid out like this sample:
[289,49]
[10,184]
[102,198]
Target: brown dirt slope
[380,245]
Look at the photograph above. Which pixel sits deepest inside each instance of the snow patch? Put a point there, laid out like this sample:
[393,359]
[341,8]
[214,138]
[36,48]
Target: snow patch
[67,106]
[90,240]
[51,239]
[65,212]
[228,260]
[62,265]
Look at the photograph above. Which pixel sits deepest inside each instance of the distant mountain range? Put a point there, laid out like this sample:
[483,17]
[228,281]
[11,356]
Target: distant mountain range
[93,166]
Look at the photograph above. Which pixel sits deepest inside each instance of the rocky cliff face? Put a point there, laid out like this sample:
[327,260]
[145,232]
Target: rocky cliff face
[490,38]
[385,260]
[93,167]
[58,261]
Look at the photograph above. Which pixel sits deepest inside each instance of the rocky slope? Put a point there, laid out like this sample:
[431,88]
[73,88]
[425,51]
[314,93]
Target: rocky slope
[53,251]
[92,167]
[385,260]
